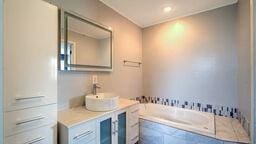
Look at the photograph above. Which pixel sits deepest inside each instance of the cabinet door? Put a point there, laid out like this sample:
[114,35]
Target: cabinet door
[106,128]
[30,53]
[121,128]
[113,129]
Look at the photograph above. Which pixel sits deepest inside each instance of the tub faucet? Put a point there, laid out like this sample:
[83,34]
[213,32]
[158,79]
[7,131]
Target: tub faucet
[94,89]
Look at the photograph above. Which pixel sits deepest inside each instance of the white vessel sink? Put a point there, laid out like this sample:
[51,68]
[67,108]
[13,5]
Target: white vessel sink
[101,102]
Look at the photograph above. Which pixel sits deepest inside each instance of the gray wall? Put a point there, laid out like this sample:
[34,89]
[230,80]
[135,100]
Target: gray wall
[125,81]
[253,60]
[193,58]
[1,71]
[244,67]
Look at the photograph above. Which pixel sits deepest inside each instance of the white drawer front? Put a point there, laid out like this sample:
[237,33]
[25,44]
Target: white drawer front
[27,119]
[28,101]
[44,135]
[133,115]
[134,108]
[92,142]
[83,133]
[134,131]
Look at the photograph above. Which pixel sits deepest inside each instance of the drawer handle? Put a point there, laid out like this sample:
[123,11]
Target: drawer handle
[135,124]
[29,98]
[135,111]
[82,135]
[30,120]
[135,138]
[34,140]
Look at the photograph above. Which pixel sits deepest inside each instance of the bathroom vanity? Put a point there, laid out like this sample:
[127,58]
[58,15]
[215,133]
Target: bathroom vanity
[119,126]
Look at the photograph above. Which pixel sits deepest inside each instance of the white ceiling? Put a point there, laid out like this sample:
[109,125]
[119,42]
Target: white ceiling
[145,13]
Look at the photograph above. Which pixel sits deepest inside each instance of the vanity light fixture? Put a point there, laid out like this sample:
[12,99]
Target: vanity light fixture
[167,9]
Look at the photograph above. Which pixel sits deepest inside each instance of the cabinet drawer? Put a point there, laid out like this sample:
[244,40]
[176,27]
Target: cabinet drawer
[27,101]
[133,115]
[83,133]
[27,119]
[134,108]
[134,131]
[92,142]
[44,135]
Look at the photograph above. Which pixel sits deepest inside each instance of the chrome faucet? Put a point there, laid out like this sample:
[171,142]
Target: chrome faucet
[94,89]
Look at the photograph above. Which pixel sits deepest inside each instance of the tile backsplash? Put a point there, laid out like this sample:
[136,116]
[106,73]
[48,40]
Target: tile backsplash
[219,110]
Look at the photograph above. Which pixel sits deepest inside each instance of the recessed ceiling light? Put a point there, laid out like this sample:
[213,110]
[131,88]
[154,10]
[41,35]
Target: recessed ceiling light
[167,9]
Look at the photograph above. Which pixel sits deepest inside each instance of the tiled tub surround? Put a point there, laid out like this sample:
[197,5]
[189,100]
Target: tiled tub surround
[156,128]
[218,110]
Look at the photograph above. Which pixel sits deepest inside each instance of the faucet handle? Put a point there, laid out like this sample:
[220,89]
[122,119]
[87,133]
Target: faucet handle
[96,86]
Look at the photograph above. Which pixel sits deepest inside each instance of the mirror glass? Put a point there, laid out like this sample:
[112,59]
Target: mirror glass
[85,45]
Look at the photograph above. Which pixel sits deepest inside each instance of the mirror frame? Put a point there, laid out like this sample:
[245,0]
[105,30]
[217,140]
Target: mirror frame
[79,67]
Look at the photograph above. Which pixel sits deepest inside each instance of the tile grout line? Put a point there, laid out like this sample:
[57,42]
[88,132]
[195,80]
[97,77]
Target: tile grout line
[215,127]
[234,130]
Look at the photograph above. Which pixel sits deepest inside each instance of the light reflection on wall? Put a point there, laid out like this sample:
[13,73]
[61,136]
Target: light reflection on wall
[193,58]
[176,32]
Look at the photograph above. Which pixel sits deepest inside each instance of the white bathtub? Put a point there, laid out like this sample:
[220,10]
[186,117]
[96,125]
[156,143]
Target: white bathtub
[189,120]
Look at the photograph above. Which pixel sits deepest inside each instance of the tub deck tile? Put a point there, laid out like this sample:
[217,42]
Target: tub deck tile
[224,129]
[230,129]
[240,132]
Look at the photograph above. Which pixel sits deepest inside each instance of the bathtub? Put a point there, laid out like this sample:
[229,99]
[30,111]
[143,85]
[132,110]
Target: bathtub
[184,119]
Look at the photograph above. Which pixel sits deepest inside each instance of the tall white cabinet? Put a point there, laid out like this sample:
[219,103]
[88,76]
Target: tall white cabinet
[30,72]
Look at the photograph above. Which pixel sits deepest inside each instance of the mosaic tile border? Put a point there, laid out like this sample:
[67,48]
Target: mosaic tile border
[219,110]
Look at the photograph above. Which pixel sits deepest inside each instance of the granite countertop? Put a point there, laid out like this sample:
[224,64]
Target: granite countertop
[76,116]
[229,129]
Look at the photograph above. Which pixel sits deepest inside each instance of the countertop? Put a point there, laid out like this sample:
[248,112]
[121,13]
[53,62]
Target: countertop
[76,116]
[229,129]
